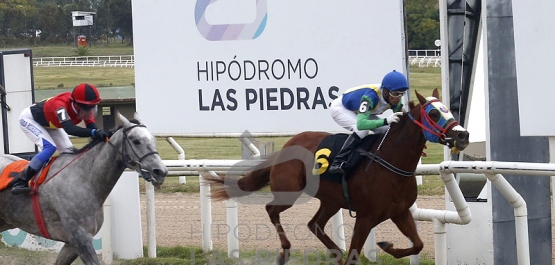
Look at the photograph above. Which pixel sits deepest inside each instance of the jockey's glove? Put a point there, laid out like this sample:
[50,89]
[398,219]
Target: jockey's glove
[101,134]
[393,118]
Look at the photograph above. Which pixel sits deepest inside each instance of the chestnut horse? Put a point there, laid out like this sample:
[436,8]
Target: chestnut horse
[378,190]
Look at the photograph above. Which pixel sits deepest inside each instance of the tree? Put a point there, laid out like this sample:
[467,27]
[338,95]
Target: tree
[121,17]
[104,21]
[17,19]
[53,21]
[422,23]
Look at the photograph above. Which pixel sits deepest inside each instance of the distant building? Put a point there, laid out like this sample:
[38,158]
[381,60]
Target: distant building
[82,26]
[81,18]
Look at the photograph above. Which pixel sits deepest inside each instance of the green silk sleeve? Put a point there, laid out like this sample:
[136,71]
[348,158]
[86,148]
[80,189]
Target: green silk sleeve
[364,123]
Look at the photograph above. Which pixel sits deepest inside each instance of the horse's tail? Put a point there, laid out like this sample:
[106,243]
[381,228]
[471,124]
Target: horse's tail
[225,187]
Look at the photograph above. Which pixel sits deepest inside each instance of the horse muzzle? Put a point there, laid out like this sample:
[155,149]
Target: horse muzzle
[457,137]
[156,177]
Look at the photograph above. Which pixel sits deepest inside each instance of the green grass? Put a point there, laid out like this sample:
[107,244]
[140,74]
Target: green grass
[424,80]
[188,255]
[195,255]
[70,76]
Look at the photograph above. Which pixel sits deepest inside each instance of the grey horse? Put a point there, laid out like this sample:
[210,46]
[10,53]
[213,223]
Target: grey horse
[71,201]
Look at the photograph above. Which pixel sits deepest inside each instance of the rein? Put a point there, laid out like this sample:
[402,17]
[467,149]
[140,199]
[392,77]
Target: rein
[129,163]
[386,164]
[35,187]
[379,160]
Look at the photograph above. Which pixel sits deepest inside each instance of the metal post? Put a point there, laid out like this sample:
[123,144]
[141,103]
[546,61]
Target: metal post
[5,109]
[107,253]
[150,220]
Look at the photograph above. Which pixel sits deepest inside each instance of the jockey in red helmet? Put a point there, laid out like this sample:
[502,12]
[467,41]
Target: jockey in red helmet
[49,122]
[356,110]
[86,98]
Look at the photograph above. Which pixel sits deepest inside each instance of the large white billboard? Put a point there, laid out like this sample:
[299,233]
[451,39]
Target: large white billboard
[534,36]
[209,67]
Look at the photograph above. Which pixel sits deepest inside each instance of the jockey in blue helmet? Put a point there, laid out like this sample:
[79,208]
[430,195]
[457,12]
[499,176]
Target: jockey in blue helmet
[356,110]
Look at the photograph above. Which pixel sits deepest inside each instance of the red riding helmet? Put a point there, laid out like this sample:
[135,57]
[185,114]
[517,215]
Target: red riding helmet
[86,95]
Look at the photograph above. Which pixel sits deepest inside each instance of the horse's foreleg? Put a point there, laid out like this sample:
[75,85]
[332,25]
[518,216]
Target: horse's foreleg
[317,225]
[66,256]
[406,225]
[81,241]
[362,228]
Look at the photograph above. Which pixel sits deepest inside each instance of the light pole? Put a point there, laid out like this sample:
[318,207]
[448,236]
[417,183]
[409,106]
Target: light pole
[24,19]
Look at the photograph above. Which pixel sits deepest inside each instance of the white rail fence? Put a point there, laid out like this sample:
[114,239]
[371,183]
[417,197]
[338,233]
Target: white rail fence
[462,215]
[425,58]
[417,58]
[90,61]
[440,218]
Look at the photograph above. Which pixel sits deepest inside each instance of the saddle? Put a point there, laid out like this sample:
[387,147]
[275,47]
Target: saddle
[331,145]
[12,170]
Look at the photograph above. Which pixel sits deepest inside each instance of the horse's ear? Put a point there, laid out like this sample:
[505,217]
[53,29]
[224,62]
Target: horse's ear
[421,99]
[435,94]
[124,121]
[137,117]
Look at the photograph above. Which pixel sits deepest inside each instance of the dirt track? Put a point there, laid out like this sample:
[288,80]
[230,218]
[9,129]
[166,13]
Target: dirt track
[178,223]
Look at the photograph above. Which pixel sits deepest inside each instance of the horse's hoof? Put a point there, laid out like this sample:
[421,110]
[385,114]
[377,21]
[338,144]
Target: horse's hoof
[281,259]
[384,244]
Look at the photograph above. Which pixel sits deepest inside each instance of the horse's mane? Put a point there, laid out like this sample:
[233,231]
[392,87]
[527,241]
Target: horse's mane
[411,105]
[94,142]
[405,117]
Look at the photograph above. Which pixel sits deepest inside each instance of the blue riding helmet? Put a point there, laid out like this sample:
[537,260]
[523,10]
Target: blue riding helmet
[395,81]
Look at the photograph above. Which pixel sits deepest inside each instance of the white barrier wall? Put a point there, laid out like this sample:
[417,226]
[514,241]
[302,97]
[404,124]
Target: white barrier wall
[534,35]
[240,65]
[16,77]
[127,237]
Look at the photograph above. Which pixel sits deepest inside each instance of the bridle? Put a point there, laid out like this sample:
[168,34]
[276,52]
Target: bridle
[434,131]
[128,161]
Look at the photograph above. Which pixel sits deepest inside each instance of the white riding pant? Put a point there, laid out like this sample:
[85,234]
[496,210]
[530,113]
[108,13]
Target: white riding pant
[346,118]
[38,134]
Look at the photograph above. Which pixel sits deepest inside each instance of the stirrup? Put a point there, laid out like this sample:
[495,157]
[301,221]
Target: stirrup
[337,169]
[20,190]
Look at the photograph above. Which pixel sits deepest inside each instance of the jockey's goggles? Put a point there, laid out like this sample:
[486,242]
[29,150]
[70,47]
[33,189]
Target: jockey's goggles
[86,107]
[396,94]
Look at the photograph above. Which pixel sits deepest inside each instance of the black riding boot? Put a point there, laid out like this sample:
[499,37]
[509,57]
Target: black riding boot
[21,185]
[339,164]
